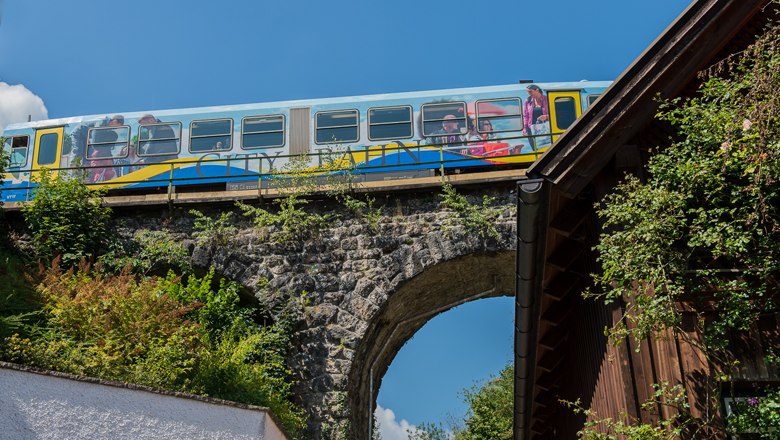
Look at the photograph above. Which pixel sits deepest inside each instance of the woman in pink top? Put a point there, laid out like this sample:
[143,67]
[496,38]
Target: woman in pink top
[535,108]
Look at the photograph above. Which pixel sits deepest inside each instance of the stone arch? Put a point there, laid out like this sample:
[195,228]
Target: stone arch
[360,284]
[416,301]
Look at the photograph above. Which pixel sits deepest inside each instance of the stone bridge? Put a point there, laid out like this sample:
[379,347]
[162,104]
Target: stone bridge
[369,287]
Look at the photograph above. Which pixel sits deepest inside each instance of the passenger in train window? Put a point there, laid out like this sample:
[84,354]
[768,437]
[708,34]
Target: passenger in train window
[476,140]
[102,154]
[450,134]
[223,144]
[163,142]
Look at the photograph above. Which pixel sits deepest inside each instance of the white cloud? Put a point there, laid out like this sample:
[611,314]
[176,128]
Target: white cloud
[16,103]
[389,427]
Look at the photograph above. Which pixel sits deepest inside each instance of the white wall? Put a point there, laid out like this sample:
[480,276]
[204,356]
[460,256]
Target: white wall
[55,406]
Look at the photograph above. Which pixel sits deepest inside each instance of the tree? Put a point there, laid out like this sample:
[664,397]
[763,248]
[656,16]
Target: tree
[490,413]
[705,226]
[491,408]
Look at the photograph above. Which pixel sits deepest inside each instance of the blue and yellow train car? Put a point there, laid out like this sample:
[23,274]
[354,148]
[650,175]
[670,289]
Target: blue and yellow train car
[390,136]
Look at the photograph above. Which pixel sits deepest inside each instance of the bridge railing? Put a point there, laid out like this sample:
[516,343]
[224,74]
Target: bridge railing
[258,170]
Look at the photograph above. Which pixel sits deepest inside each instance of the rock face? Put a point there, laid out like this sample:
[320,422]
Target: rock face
[369,287]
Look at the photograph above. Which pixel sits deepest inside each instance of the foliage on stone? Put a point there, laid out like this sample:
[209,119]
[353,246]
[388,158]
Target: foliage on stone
[705,227]
[213,232]
[289,222]
[340,429]
[161,332]
[476,218]
[146,252]
[363,208]
[66,219]
[296,183]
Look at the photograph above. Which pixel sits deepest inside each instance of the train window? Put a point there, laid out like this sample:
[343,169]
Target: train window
[389,123]
[159,139]
[592,99]
[16,148]
[262,131]
[435,115]
[211,135]
[47,148]
[108,142]
[336,126]
[499,115]
[565,112]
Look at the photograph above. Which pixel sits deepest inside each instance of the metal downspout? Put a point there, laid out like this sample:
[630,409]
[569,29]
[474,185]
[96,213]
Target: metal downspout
[532,206]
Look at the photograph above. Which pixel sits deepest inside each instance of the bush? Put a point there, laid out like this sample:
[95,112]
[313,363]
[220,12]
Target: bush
[66,218]
[147,252]
[160,332]
[19,302]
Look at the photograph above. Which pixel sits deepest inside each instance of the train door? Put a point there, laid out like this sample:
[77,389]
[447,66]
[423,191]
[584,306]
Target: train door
[565,108]
[48,149]
[300,131]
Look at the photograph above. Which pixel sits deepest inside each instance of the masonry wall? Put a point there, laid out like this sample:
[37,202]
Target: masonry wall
[368,288]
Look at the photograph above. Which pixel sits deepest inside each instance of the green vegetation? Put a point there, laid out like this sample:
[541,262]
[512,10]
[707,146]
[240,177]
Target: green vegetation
[19,302]
[210,231]
[66,219]
[170,333]
[291,219]
[629,428]
[288,220]
[477,219]
[705,227]
[114,321]
[759,416]
[429,431]
[491,408]
[489,417]
[363,208]
[147,252]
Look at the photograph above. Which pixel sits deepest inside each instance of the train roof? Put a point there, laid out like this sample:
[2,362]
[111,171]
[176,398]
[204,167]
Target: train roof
[320,101]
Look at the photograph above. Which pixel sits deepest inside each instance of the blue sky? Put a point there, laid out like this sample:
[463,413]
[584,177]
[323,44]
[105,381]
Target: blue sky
[88,57]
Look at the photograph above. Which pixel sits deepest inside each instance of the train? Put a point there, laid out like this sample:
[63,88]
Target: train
[234,147]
